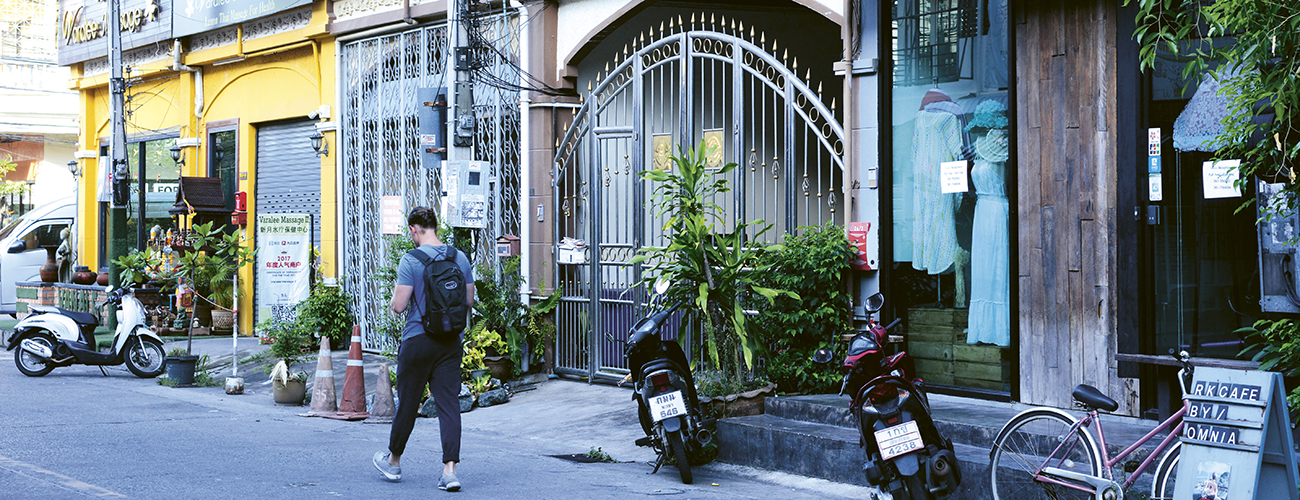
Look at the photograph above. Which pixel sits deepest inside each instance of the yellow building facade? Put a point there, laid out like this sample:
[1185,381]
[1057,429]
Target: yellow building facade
[218,95]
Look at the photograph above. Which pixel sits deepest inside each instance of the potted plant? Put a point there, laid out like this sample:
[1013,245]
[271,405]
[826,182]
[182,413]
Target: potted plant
[221,293]
[710,270]
[487,347]
[180,367]
[326,313]
[539,323]
[139,267]
[213,254]
[291,343]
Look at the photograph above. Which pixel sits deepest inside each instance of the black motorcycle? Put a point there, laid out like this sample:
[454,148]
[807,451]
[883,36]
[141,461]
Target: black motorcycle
[906,454]
[664,390]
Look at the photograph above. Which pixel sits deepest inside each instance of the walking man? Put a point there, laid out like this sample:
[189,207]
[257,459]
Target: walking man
[430,350]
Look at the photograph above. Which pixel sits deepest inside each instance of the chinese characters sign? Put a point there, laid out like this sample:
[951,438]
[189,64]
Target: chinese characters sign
[283,263]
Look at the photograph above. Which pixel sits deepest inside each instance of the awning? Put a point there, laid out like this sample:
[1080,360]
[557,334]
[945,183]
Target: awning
[1200,123]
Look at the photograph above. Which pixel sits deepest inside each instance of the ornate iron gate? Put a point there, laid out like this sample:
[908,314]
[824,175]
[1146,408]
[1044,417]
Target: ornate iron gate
[683,88]
[381,156]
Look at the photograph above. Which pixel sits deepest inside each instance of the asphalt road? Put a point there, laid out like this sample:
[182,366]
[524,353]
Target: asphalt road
[75,433]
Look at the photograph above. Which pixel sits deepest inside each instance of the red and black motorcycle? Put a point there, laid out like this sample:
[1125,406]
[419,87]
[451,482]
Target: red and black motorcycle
[906,454]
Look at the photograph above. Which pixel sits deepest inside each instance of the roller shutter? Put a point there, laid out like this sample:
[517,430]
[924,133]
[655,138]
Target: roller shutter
[288,174]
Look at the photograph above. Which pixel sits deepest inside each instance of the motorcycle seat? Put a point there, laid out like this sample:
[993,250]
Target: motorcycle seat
[1093,397]
[80,317]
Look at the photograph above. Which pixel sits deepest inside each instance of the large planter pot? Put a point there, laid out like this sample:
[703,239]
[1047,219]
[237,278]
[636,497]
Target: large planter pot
[222,319]
[102,278]
[500,366]
[291,393]
[548,355]
[50,270]
[180,369]
[82,275]
[742,404]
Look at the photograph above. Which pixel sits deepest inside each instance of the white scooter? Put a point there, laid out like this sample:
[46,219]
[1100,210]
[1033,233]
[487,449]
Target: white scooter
[52,337]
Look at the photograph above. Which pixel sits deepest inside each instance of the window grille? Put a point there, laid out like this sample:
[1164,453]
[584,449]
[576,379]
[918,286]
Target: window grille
[925,39]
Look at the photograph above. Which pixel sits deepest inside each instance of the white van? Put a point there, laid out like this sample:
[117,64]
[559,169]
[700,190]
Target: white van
[21,257]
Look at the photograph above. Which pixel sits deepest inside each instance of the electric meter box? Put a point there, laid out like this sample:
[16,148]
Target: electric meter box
[464,195]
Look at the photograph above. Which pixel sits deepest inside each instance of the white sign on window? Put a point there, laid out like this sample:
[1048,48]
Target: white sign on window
[952,177]
[392,217]
[283,263]
[1220,179]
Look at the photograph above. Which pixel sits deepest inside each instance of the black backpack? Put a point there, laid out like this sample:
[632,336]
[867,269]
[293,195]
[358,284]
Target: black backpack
[445,311]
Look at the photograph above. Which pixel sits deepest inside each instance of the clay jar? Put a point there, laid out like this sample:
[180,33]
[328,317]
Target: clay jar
[82,275]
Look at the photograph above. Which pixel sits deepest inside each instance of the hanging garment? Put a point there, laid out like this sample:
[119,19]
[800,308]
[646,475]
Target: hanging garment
[990,254]
[936,139]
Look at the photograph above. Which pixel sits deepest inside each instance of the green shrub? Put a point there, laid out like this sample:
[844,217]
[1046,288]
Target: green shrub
[813,264]
[1275,344]
[326,313]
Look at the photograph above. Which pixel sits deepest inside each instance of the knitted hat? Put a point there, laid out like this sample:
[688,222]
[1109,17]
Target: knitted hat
[989,114]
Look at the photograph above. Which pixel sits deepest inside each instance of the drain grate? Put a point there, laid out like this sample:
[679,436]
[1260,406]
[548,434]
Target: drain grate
[581,458]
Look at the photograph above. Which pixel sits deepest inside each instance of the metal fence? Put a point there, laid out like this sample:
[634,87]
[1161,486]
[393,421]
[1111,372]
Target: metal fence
[380,136]
[707,85]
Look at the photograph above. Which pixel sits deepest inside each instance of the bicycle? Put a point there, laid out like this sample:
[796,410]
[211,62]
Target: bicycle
[1048,453]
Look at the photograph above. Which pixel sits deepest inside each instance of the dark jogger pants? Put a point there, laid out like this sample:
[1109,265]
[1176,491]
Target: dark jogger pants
[421,360]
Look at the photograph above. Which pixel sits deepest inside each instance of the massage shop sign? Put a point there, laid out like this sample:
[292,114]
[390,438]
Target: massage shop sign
[283,264]
[1236,438]
[83,27]
[197,16]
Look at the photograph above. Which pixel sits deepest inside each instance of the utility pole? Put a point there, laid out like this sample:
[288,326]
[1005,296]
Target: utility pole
[117,117]
[117,148]
[461,126]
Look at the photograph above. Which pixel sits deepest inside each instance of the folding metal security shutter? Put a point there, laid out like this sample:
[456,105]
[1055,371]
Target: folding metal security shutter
[288,174]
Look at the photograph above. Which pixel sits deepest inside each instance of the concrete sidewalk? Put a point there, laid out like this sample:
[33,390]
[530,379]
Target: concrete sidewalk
[558,417]
[220,352]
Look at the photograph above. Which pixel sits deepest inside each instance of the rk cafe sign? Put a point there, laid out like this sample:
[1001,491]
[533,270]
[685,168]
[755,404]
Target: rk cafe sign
[83,27]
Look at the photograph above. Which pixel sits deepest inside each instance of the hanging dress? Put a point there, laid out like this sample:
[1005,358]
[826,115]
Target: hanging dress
[990,256]
[937,138]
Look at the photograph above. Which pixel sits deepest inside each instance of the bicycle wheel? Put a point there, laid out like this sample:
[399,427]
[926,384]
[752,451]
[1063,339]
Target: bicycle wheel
[1162,485]
[1024,445]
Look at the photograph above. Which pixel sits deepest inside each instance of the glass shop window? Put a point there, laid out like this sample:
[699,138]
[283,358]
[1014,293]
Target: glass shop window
[950,275]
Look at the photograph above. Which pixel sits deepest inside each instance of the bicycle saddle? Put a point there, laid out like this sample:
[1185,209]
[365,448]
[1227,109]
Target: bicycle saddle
[1090,396]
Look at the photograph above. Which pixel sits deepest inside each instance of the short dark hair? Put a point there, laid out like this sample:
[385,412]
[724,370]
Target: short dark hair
[424,217]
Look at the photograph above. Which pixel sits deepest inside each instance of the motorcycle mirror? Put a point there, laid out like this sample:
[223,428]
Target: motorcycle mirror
[823,356]
[874,303]
[610,337]
[661,286]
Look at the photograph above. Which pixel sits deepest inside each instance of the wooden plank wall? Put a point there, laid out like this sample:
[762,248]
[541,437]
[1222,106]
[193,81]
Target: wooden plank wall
[1065,69]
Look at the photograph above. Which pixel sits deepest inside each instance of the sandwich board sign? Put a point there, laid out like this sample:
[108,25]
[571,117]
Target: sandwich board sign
[1236,437]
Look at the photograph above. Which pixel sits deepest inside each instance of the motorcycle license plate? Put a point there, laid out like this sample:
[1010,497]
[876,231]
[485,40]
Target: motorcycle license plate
[898,440]
[667,405]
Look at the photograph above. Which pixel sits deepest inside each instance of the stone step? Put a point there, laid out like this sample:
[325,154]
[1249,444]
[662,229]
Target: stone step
[817,436]
[822,450]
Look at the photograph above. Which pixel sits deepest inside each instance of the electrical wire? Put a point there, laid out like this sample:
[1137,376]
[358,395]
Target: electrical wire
[479,43]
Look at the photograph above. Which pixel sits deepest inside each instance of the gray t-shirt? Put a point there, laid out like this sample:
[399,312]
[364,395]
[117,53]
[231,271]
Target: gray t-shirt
[410,272]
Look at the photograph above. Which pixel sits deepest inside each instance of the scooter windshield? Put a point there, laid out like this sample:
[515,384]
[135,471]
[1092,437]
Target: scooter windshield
[862,343]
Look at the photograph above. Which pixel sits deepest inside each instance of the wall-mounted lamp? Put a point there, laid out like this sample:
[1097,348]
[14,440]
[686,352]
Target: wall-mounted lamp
[318,143]
[176,156]
[74,168]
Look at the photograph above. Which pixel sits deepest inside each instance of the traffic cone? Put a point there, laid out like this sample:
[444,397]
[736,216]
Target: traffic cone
[384,408]
[353,405]
[323,400]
